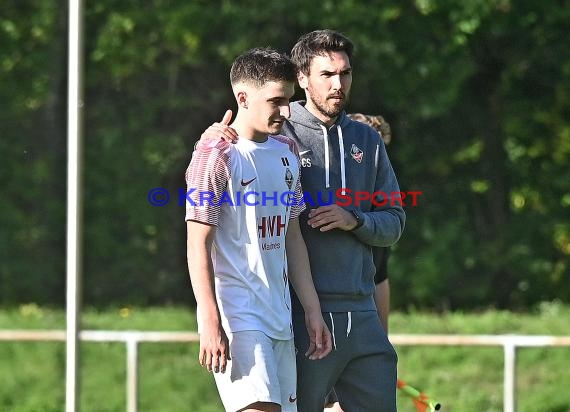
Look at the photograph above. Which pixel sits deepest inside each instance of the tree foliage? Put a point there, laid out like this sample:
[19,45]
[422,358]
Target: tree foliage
[476,93]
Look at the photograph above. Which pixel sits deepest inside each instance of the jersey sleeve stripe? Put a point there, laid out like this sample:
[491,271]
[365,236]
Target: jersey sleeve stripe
[207,179]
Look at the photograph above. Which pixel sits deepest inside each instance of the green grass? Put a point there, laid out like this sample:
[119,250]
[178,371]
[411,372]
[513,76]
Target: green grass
[463,379]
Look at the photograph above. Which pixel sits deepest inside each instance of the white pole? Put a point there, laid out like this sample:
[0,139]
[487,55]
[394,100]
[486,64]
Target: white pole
[132,379]
[509,384]
[74,138]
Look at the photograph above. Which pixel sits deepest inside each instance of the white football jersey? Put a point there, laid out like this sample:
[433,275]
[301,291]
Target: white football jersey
[249,191]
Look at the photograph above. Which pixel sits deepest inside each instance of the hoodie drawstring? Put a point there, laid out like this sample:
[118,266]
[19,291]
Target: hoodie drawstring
[332,332]
[327,157]
[348,327]
[341,152]
[326,145]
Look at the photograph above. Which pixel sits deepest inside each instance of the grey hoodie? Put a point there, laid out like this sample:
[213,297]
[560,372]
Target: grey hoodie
[347,155]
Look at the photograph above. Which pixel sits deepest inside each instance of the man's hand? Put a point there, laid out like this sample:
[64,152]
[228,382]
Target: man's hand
[331,217]
[214,348]
[221,130]
[319,336]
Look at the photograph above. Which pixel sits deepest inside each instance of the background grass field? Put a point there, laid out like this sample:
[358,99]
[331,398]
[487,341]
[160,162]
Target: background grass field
[463,379]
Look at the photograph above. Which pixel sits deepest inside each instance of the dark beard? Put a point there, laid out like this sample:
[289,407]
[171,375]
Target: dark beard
[332,112]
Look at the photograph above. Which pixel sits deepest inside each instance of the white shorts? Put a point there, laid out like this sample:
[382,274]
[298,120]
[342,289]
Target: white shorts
[261,370]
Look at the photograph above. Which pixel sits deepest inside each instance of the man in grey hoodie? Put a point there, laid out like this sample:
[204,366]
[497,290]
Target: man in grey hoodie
[351,193]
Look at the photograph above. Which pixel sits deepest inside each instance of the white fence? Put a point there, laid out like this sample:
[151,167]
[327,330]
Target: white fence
[132,338]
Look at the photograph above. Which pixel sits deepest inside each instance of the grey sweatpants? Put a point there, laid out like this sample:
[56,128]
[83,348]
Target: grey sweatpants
[361,367]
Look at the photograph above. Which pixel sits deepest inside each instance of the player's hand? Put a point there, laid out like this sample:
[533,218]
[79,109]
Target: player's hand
[330,217]
[214,348]
[319,336]
[221,130]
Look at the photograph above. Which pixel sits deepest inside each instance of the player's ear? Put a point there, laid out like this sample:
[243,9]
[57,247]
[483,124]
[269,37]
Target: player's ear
[303,80]
[241,97]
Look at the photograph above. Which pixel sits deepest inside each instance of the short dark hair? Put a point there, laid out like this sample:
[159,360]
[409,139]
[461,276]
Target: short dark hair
[261,65]
[319,43]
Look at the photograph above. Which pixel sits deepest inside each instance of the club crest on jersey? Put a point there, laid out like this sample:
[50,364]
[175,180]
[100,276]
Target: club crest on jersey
[289,178]
[356,153]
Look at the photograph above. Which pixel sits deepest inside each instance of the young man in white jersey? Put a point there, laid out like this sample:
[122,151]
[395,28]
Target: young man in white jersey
[245,244]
